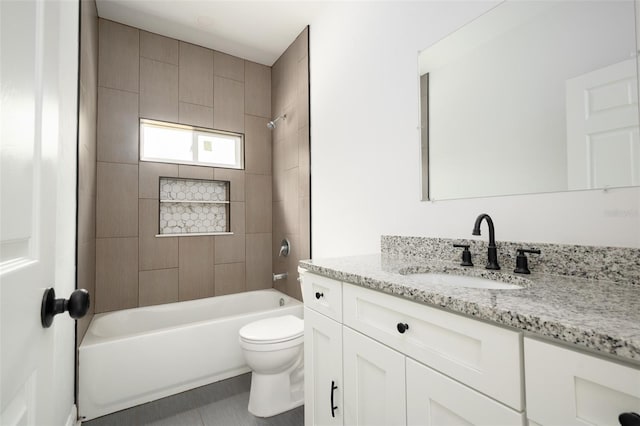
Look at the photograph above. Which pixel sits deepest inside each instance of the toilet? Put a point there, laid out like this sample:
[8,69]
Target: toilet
[274,350]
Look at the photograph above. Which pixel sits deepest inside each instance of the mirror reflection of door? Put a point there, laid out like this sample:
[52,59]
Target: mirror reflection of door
[603,149]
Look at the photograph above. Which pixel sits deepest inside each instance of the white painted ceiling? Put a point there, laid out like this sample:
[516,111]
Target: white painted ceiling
[259,31]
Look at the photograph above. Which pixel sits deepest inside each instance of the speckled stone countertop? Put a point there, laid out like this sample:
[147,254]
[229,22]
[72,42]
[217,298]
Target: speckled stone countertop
[598,315]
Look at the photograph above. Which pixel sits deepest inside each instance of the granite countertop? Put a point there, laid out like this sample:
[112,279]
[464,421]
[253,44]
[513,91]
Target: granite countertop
[593,314]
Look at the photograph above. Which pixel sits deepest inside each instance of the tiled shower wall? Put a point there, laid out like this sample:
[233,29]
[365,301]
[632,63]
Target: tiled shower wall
[144,75]
[87,114]
[291,178]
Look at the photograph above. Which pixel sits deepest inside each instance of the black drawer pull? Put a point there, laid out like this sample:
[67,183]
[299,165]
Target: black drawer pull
[319,295]
[629,419]
[333,407]
[402,327]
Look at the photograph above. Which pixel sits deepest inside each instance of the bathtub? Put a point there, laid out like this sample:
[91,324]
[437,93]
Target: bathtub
[134,356]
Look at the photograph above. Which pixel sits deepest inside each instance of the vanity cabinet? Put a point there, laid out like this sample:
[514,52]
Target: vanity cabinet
[374,382]
[323,388]
[385,360]
[566,387]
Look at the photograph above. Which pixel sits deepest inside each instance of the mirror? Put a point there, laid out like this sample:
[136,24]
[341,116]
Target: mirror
[531,97]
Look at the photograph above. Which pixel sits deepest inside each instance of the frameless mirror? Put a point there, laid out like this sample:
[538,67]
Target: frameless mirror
[532,96]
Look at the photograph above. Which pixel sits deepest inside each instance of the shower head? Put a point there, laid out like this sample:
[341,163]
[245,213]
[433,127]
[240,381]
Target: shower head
[272,124]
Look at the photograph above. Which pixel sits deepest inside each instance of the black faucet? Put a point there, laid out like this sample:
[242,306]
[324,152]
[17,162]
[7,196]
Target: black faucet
[492,252]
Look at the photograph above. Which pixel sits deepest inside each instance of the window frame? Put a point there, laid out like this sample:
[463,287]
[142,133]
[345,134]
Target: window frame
[195,133]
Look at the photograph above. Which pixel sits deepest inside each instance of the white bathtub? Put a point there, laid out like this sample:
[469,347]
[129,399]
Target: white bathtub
[138,355]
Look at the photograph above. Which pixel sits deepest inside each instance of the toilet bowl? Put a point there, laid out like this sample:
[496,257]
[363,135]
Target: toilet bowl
[274,350]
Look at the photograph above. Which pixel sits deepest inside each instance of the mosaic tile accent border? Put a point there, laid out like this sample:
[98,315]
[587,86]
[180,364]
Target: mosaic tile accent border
[617,264]
[190,206]
[193,190]
[188,218]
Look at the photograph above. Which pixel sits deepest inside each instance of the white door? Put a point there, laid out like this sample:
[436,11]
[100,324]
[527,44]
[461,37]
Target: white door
[603,148]
[374,382]
[434,399]
[322,370]
[38,115]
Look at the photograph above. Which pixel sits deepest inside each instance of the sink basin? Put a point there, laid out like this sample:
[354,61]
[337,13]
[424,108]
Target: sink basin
[435,278]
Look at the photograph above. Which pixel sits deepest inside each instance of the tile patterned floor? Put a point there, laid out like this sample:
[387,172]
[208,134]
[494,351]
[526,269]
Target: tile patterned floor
[219,404]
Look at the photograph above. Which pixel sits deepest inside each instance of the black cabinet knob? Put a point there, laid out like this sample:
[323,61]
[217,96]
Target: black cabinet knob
[629,419]
[319,295]
[77,305]
[402,327]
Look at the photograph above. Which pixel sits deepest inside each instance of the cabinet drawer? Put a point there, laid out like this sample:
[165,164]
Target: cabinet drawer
[434,399]
[568,387]
[484,357]
[322,294]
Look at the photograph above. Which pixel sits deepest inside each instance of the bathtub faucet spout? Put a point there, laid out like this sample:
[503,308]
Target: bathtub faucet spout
[282,276]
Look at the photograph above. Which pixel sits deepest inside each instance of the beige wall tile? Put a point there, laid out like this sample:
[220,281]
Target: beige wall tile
[230,278]
[291,201]
[284,83]
[149,178]
[117,126]
[195,172]
[87,148]
[290,152]
[116,274]
[258,203]
[118,56]
[287,264]
[86,216]
[257,142]
[304,208]
[155,253]
[158,48]
[228,105]
[257,91]
[304,162]
[196,267]
[237,217]
[236,177]
[228,66]
[196,74]
[117,200]
[279,176]
[229,248]
[87,270]
[158,287]
[158,90]
[196,115]
[302,103]
[300,46]
[258,263]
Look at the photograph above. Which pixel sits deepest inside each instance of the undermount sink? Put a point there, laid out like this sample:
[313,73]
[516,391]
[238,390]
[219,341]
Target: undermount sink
[434,278]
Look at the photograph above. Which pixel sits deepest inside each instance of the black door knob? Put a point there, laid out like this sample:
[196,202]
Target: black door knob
[629,419]
[319,295]
[77,305]
[402,327]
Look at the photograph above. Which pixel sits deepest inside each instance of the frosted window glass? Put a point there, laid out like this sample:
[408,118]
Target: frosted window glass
[215,149]
[176,143]
[165,143]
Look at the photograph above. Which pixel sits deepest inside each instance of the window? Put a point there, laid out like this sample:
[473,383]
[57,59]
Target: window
[177,143]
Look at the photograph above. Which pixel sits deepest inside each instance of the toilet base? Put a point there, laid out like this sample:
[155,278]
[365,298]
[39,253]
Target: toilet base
[265,401]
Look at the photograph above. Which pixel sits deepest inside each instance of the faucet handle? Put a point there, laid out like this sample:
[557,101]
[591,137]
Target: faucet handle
[466,254]
[522,263]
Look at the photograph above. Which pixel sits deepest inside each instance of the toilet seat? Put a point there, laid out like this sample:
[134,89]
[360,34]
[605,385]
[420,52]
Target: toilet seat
[273,330]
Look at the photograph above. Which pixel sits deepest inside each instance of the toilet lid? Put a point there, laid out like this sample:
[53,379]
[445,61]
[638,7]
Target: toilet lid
[273,330]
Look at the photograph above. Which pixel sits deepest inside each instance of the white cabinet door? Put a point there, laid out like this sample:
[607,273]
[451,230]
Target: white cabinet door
[436,400]
[569,388]
[322,370]
[374,382]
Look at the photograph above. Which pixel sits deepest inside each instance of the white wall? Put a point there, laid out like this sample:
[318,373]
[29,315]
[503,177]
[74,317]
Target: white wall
[365,144]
